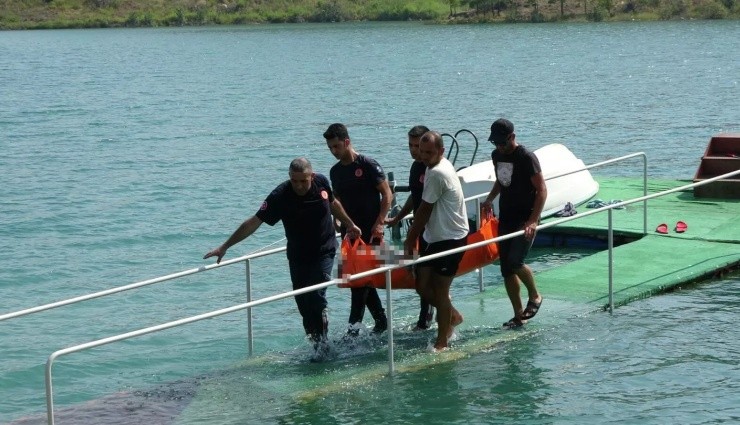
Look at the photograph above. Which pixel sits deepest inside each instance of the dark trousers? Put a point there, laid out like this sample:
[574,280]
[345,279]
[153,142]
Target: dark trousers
[365,297]
[312,304]
[426,311]
[362,297]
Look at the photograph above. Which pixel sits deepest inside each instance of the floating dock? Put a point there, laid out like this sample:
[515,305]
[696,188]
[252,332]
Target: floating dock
[645,264]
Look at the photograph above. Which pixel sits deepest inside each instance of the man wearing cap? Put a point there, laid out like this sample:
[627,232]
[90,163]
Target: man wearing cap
[521,185]
[305,204]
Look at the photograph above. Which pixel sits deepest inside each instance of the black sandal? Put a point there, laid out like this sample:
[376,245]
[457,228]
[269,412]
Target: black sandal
[513,323]
[531,310]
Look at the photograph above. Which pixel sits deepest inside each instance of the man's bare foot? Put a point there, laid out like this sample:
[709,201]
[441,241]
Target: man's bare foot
[439,346]
[455,319]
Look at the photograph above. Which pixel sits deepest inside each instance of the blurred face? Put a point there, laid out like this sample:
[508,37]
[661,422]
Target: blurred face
[505,147]
[414,147]
[300,182]
[338,147]
[429,154]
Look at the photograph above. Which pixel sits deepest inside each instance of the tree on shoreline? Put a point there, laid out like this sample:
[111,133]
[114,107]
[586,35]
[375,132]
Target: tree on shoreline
[40,14]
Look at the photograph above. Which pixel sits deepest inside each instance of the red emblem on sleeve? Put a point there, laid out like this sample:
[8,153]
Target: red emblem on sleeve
[263,206]
[358,172]
[421,178]
[324,194]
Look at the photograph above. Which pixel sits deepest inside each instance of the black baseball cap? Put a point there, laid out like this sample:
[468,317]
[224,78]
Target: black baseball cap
[500,131]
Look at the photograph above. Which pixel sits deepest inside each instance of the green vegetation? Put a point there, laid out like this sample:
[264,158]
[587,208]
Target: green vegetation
[38,14]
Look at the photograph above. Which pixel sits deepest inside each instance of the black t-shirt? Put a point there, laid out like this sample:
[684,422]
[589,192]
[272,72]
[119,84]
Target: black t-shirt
[355,185]
[416,182]
[514,173]
[307,219]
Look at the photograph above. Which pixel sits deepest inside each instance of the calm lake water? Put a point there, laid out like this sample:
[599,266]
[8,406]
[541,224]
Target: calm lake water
[127,154]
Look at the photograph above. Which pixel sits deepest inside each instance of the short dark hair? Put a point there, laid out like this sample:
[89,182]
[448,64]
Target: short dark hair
[300,165]
[433,136]
[418,130]
[336,130]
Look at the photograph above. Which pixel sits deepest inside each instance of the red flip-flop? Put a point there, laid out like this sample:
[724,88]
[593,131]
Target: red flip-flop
[662,228]
[681,227]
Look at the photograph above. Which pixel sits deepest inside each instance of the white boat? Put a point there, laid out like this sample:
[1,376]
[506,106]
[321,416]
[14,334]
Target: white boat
[555,159]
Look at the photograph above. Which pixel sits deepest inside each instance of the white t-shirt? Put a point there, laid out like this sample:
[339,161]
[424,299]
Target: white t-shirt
[449,219]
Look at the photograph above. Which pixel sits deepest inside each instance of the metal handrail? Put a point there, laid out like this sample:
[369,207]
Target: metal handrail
[613,160]
[247,258]
[123,288]
[384,269]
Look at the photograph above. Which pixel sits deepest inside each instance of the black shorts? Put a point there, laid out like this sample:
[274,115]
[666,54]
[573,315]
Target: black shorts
[512,252]
[447,265]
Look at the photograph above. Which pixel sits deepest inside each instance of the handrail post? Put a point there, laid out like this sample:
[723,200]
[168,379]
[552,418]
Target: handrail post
[610,239]
[250,334]
[49,393]
[478,221]
[644,193]
[389,322]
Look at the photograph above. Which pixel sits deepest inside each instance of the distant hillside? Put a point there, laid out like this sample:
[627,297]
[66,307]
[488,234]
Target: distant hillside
[38,14]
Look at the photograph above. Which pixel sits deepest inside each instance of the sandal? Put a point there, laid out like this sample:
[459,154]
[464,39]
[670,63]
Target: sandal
[681,227]
[514,322]
[531,310]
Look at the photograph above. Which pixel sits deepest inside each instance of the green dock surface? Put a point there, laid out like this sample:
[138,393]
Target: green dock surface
[651,262]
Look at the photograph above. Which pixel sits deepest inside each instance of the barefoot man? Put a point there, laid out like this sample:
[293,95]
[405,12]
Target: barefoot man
[444,221]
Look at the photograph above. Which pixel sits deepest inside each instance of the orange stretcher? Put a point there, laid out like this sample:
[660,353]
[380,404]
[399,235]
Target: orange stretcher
[356,257]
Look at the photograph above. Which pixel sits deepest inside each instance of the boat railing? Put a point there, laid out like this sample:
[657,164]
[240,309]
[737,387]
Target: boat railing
[475,139]
[386,269]
[454,147]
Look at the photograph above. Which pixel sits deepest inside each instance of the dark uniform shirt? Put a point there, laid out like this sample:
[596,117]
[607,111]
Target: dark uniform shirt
[356,187]
[416,183]
[307,219]
[514,173]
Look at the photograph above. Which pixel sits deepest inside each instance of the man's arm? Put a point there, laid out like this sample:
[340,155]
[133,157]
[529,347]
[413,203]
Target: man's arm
[242,232]
[337,221]
[487,204]
[338,212]
[421,218]
[386,196]
[538,181]
[405,210]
